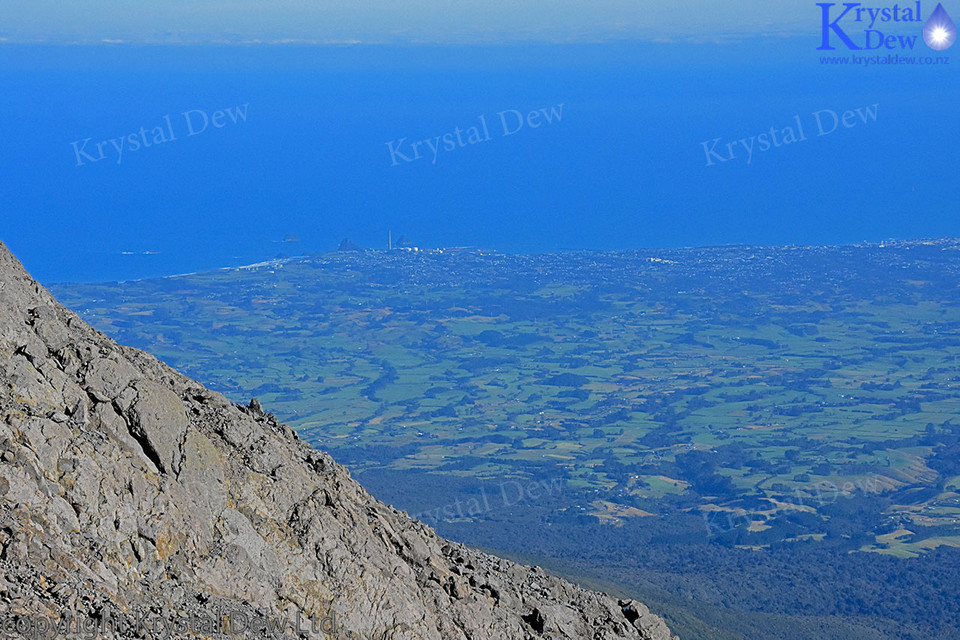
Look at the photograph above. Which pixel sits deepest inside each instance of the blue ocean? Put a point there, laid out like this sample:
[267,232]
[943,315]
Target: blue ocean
[126,162]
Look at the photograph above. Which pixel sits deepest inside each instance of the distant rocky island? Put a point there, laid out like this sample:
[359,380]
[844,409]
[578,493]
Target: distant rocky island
[138,504]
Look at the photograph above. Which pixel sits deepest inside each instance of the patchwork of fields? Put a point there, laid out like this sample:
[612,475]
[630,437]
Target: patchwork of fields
[760,397]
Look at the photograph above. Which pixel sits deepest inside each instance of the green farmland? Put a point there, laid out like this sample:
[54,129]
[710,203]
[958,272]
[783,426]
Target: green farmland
[752,400]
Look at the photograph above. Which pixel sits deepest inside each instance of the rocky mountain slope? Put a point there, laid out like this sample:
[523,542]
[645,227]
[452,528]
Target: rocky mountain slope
[137,503]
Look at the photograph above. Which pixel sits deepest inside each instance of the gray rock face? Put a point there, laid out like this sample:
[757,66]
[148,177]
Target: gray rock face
[133,498]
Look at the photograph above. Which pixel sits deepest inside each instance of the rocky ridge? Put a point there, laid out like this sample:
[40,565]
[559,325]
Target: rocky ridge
[140,504]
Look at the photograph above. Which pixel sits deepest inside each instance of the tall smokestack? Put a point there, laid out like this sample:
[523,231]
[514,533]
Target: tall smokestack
[389,239]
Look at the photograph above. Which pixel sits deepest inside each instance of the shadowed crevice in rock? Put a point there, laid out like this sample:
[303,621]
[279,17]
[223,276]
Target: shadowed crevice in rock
[535,620]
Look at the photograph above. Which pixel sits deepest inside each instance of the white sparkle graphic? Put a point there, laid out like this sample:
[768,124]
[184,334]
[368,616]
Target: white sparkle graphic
[939,35]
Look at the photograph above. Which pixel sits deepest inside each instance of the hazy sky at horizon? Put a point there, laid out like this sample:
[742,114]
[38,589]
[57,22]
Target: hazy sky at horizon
[435,21]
